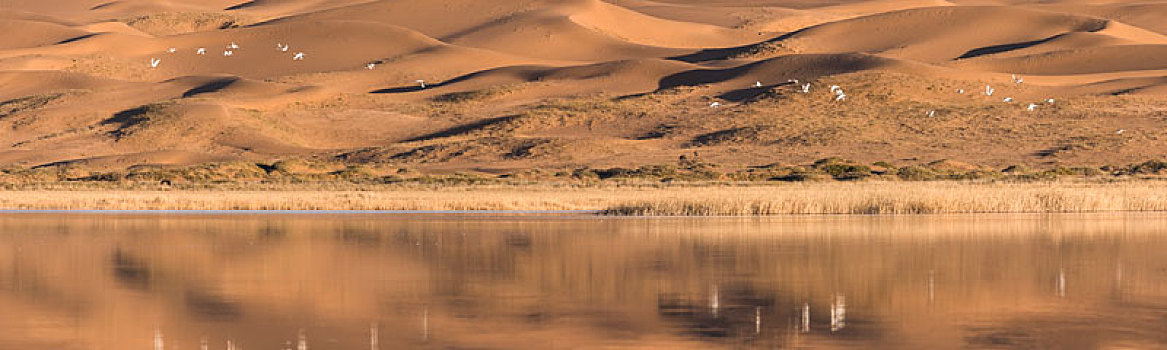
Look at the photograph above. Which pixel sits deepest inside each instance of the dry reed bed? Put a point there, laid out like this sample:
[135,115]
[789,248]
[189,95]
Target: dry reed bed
[682,200]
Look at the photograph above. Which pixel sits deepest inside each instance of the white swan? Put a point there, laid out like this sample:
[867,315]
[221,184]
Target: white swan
[715,105]
[1008,99]
[233,46]
[370,66]
[154,62]
[201,51]
[299,56]
[228,53]
[1031,107]
[989,90]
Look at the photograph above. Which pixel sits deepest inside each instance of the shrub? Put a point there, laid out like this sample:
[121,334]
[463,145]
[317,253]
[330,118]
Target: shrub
[916,173]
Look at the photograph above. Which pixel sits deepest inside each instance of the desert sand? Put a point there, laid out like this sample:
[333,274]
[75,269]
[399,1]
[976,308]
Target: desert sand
[564,84]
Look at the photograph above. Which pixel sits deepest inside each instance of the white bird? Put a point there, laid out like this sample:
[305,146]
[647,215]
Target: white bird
[715,105]
[154,62]
[299,56]
[806,88]
[1008,99]
[1017,79]
[758,84]
[233,46]
[420,82]
[989,90]
[171,50]
[1050,101]
[961,91]
[228,53]
[201,51]
[836,88]
[793,81]
[370,66]
[931,114]
[1120,131]
[840,97]
[1031,107]
[282,47]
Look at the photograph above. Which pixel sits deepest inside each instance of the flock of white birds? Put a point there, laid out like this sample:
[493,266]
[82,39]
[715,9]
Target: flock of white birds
[230,49]
[840,96]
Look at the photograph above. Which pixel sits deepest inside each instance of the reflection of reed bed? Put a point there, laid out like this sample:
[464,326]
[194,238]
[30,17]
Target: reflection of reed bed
[638,199]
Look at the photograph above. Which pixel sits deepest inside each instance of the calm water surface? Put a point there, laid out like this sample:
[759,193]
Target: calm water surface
[80,281]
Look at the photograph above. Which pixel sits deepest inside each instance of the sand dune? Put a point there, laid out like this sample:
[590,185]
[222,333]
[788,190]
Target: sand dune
[571,83]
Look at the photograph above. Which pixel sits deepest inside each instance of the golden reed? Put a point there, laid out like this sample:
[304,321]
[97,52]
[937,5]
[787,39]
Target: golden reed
[638,199]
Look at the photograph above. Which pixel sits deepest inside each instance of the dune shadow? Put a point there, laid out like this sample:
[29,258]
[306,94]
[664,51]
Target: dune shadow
[77,38]
[214,86]
[128,117]
[995,49]
[102,5]
[725,53]
[240,6]
[800,66]
[748,94]
[398,90]
[463,129]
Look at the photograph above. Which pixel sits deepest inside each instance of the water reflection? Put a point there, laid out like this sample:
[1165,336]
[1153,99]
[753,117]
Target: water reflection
[369,282]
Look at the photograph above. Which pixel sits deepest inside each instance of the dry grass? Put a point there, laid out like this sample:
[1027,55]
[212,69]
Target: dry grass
[640,200]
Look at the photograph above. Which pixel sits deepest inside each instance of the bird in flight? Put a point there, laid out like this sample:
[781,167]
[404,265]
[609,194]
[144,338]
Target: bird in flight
[154,62]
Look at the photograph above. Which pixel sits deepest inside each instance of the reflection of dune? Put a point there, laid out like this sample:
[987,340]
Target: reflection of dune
[882,282]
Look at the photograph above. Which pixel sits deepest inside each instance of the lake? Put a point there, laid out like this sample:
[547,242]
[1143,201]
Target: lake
[379,281]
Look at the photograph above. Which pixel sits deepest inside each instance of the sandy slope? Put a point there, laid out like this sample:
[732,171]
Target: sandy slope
[567,83]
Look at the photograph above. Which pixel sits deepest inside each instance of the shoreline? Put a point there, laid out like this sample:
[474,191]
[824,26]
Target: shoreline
[643,199]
